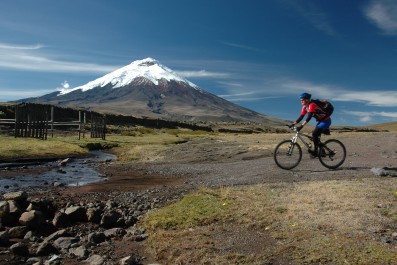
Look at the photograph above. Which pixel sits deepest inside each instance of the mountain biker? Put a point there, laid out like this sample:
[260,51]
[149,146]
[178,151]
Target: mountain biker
[323,120]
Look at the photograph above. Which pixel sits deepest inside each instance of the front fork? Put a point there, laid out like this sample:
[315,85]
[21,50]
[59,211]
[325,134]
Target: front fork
[292,145]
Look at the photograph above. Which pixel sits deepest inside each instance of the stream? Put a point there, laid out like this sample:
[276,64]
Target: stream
[74,172]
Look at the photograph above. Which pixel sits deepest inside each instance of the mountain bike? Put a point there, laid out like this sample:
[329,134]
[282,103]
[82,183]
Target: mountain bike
[288,153]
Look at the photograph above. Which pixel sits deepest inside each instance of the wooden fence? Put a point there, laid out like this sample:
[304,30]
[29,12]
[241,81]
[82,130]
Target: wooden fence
[31,121]
[37,121]
[98,126]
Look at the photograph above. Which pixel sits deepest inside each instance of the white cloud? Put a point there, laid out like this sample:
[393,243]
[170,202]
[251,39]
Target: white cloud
[13,94]
[285,87]
[372,98]
[383,13]
[246,99]
[32,58]
[242,46]
[20,47]
[233,97]
[377,98]
[201,74]
[65,85]
[366,118]
[298,87]
[370,115]
[314,15]
[230,84]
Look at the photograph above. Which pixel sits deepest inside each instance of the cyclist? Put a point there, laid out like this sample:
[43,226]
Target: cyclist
[323,120]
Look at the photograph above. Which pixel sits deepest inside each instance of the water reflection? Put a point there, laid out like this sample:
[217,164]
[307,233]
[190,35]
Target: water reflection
[75,172]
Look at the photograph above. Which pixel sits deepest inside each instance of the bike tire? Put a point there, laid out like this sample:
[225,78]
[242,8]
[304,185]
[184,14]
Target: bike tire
[285,159]
[332,154]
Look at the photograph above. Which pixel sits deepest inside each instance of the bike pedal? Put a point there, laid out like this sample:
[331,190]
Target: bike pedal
[312,153]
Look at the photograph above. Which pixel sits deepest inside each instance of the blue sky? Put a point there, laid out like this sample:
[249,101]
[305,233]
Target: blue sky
[260,54]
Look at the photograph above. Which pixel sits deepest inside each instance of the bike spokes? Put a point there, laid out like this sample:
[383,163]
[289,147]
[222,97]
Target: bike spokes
[332,154]
[287,154]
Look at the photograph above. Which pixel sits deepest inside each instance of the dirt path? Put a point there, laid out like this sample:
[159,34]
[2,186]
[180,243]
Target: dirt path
[215,162]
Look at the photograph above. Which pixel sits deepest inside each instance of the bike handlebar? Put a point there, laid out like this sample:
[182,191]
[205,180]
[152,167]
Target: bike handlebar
[292,127]
[295,129]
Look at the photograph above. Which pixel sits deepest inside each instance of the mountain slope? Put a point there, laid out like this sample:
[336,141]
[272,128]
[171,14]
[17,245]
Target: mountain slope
[147,88]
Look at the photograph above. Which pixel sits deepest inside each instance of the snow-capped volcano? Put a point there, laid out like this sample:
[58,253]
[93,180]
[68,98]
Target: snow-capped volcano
[145,88]
[148,68]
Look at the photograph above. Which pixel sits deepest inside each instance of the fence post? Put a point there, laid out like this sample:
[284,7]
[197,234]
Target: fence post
[79,123]
[84,124]
[16,122]
[52,121]
[104,127]
[46,125]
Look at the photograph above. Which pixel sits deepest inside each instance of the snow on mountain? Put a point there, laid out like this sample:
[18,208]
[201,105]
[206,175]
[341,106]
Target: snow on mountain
[148,68]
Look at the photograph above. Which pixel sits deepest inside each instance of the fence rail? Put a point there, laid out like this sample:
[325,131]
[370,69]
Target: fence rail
[7,121]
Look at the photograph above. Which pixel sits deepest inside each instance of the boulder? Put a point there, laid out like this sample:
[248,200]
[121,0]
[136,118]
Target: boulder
[64,243]
[385,171]
[95,260]
[4,208]
[109,219]
[45,249]
[57,234]
[63,162]
[96,238]
[61,220]
[77,214]
[114,232]
[4,239]
[94,215]
[15,208]
[80,252]
[130,260]
[33,219]
[18,232]
[20,249]
[19,196]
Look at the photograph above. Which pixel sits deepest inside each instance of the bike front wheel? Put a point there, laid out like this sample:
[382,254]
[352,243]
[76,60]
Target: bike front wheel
[287,154]
[332,153]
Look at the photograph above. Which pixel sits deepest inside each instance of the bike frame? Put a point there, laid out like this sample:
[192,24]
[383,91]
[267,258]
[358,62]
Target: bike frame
[300,135]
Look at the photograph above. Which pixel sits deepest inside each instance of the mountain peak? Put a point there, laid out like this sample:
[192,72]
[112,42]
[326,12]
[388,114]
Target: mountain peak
[146,62]
[148,68]
[145,88]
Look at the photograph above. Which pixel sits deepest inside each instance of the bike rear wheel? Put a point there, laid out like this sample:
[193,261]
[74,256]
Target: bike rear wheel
[332,153]
[287,154]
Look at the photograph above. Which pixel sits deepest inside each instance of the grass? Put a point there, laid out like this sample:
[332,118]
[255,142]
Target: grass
[328,222]
[139,144]
[201,208]
[17,148]
[148,144]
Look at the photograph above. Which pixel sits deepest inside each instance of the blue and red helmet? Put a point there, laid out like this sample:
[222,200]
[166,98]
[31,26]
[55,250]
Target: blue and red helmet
[305,96]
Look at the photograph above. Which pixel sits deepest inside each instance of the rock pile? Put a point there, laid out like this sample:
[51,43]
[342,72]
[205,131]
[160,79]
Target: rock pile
[37,231]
